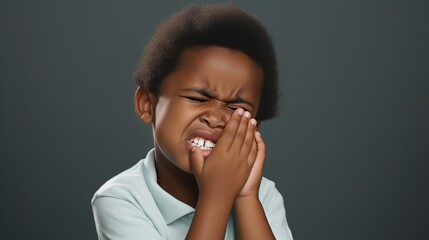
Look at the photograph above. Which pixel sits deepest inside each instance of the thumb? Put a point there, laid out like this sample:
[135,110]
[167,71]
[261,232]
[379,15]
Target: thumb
[197,161]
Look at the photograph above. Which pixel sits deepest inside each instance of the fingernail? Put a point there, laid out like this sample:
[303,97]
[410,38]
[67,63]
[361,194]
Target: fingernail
[247,114]
[253,122]
[258,133]
[240,111]
[193,149]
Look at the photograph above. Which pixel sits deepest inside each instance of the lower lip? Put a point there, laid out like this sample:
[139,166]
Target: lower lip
[206,153]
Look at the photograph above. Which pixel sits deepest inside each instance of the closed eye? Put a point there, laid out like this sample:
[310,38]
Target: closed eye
[197,99]
[233,108]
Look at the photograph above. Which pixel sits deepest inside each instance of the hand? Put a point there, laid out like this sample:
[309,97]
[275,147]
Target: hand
[251,188]
[225,171]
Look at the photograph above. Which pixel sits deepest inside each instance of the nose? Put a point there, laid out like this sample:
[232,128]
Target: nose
[216,116]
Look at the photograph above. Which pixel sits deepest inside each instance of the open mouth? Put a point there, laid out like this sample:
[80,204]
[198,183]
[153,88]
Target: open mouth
[202,143]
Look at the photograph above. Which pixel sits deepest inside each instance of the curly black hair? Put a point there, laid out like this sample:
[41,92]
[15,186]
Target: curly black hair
[223,25]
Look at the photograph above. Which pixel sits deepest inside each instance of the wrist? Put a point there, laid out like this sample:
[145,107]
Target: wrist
[246,200]
[217,194]
[211,218]
[218,200]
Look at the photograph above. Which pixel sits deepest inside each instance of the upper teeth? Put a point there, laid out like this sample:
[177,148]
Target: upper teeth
[202,143]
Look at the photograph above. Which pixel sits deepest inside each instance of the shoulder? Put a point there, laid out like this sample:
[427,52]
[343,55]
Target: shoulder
[268,190]
[271,199]
[130,186]
[124,205]
[124,185]
[273,204]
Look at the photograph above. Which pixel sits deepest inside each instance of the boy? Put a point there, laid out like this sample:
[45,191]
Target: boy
[205,81]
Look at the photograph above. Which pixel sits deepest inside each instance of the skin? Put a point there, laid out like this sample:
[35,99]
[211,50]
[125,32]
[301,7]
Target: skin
[213,93]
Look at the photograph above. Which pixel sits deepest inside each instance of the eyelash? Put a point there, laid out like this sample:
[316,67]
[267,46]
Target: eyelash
[195,99]
[233,108]
[201,100]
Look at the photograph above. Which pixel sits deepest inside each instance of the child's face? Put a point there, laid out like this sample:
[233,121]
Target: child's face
[197,99]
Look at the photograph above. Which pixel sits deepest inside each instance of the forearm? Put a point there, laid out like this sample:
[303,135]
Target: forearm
[251,222]
[210,219]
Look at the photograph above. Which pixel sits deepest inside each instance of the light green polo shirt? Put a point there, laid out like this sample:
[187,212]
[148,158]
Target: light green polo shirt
[132,205]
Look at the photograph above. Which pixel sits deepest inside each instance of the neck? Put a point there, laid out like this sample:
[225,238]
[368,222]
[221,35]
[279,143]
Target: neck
[176,182]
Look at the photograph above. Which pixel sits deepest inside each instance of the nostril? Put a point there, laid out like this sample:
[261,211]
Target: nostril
[206,121]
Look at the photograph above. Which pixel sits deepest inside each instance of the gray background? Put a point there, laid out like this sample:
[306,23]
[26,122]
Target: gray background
[348,151]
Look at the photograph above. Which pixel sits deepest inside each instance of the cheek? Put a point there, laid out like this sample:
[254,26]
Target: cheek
[161,110]
[173,115]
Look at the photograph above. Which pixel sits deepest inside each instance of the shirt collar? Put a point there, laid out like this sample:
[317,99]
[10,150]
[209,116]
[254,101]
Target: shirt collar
[171,208]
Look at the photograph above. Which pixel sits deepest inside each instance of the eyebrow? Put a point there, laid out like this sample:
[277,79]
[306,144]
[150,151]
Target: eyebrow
[207,94]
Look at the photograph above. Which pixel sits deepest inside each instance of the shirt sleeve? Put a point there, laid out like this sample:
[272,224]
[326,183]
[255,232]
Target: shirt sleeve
[272,202]
[116,218]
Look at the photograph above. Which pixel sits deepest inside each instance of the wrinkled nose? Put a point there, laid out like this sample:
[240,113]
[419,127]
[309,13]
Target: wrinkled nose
[216,117]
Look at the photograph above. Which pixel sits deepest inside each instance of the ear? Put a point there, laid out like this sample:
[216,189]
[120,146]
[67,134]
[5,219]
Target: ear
[143,105]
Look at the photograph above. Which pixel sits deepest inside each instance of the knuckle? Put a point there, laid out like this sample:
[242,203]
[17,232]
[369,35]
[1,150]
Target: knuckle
[245,120]
[248,143]
[228,132]
[252,154]
[232,123]
[234,119]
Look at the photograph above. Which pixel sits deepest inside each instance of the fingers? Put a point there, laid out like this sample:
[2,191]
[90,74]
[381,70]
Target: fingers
[197,161]
[252,154]
[258,150]
[261,152]
[238,133]
[242,130]
[227,137]
[250,137]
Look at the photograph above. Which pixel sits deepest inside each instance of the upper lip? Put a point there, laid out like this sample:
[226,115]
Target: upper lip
[208,135]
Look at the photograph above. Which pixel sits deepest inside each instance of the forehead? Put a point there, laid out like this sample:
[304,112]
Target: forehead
[222,71]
